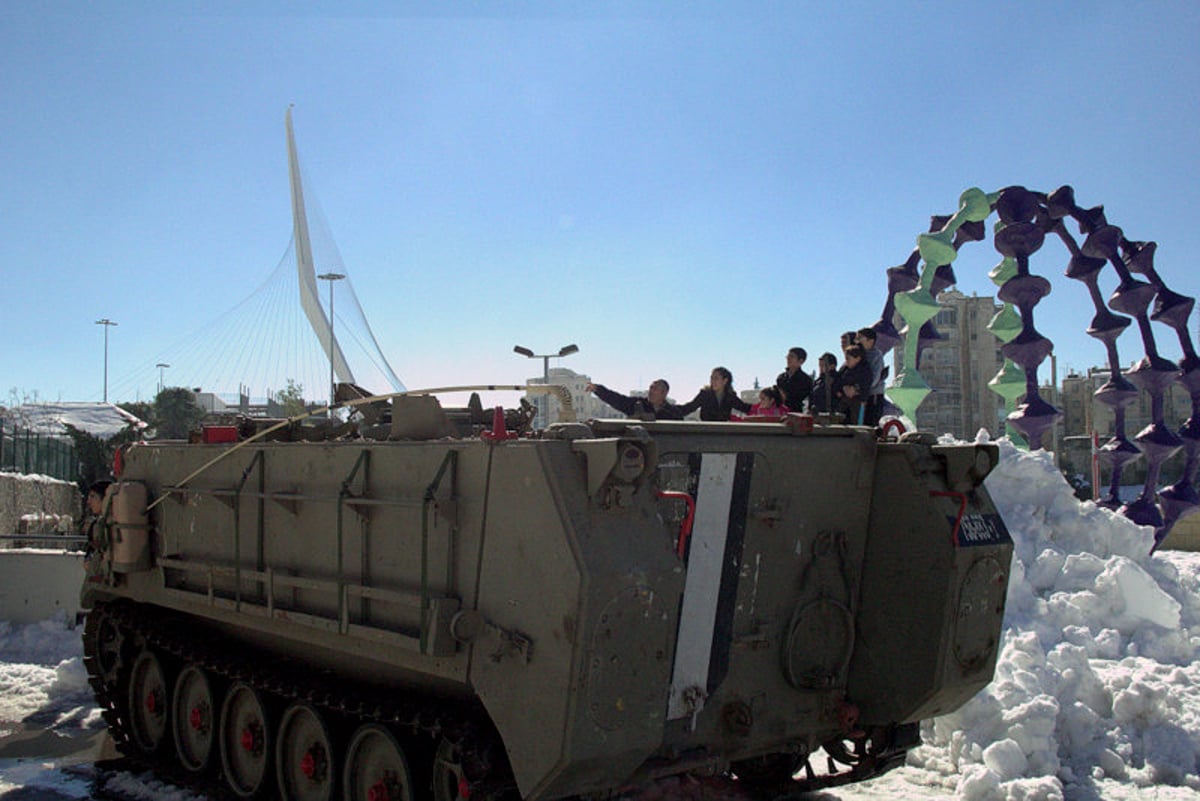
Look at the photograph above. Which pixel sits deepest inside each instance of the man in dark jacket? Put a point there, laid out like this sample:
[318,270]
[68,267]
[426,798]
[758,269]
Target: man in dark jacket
[654,406]
[794,383]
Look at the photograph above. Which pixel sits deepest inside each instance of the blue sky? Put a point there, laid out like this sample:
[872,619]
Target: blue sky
[671,186]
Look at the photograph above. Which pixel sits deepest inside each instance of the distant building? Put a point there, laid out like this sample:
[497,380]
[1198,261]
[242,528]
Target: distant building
[959,367]
[1082,413]
[586,405]
[210,402]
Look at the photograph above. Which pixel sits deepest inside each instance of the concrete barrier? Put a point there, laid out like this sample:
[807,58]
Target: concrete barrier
[36,585]
[1186,534]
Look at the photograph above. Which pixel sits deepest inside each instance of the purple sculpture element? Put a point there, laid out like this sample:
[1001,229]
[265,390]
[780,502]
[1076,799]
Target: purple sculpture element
[1173,310]
[1020,237]
[1152,374]
[1106,243]
[901,278]
[1118,392]
[1181,498]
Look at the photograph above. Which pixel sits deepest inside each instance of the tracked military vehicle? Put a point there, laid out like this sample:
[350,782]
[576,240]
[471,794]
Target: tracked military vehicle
[449,610]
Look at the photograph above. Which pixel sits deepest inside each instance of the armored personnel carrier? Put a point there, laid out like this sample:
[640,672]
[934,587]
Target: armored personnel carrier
[451,612]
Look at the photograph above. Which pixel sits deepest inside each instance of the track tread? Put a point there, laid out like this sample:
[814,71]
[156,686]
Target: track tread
[158,629]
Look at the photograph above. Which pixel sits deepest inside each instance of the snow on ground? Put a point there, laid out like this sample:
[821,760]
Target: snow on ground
[42,679]
[1096,694]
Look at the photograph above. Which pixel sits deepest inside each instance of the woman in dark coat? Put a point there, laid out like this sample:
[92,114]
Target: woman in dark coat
[718,400]
[855,378]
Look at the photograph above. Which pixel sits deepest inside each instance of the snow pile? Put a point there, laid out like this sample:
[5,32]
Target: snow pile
[1095,693]
[146,787]
[102,420]
[42,678]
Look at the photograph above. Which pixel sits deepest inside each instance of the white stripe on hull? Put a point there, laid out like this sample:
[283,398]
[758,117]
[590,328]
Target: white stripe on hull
[702,587]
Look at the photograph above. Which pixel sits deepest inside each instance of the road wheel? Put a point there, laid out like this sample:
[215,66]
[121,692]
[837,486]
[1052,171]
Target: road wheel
[304,759]
[453,772]
[194,719]
[149,703]
[376,769]
[245,740]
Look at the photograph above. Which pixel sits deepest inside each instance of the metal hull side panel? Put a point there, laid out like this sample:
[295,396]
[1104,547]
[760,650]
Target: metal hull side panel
[531,586]
[287,529]
[364,660]
[908,663]
[627,625]
[789,569]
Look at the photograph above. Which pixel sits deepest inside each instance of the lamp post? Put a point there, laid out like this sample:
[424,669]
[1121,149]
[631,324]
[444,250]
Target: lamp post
[107,323]
[331,277]
[161,366]
[565,350]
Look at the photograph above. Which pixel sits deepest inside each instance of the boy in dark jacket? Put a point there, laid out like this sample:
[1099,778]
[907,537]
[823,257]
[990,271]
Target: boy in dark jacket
[794,383]
[825,392]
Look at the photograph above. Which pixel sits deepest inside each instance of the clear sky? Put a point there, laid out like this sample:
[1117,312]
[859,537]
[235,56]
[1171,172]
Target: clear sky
[669,185]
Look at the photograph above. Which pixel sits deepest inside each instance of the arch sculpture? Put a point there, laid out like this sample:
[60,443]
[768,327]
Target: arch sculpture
[1024,220]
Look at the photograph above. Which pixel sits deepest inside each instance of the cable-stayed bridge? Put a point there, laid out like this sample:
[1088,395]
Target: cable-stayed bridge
[300,323]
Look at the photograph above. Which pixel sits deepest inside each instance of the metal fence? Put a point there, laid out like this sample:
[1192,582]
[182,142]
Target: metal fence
[25,451]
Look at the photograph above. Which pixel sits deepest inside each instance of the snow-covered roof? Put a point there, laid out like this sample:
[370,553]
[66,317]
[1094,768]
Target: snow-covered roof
[103,420]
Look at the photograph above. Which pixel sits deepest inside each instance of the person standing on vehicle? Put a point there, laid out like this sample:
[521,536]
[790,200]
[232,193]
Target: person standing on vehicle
[855,380]
[93,525]
[654,406]
[824,397]
[770,404]
[873,403]
[718,400]
[795,384]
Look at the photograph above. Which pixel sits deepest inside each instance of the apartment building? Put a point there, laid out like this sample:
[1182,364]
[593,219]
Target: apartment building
[1083,414]
[959,367]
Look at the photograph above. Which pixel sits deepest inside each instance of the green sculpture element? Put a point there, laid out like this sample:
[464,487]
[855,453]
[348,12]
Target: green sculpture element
[918,306]
[1009,383]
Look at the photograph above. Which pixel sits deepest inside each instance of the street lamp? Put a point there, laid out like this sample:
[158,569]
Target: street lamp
[161,366]
[565,350]
[107,323]
[331,277]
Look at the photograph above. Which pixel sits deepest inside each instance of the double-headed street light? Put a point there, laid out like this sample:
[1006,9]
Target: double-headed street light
[107,323]
[331,277]
[566,350]
[161,366]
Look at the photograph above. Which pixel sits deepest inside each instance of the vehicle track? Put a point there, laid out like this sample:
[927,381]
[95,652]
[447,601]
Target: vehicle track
[453,756]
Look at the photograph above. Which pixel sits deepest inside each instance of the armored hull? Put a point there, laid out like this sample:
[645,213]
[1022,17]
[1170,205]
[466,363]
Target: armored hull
[564,614]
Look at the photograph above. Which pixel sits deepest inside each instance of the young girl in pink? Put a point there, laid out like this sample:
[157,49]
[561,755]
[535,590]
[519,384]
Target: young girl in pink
[770,404]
